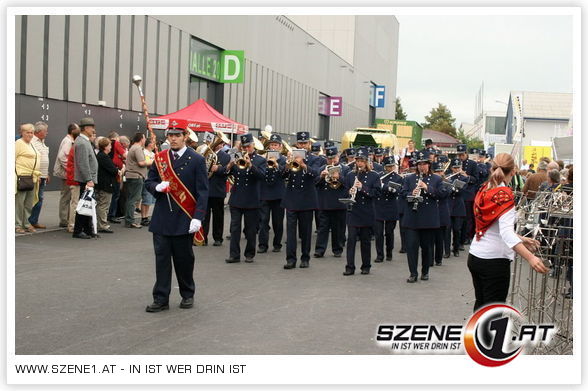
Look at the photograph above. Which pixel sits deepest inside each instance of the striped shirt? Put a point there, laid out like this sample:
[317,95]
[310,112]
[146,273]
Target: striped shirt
[44,155]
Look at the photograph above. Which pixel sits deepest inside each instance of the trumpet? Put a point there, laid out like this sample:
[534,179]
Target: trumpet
[332,182]
[241,162]
[292,164]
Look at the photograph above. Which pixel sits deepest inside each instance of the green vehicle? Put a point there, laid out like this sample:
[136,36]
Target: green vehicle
[403,129]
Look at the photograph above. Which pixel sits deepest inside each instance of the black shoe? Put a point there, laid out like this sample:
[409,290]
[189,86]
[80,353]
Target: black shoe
[412,279]
[157,307]
[262,250]
[217,243]
[425,277]
[145,221]
[365,272]
[388,257]
[248,260]
[277,249]
[133,225]
[289,266]
[317,255]
[348,272]
[187,303]
[378,260]
[446,255]
[461,247]
[338,255]
[303,264]
[438,263]
[402,251]
[232,260]
[81,235]
[95,236]
[456,253]
[106,231]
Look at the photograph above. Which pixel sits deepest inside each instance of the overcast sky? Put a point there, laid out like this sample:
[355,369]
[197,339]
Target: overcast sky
[446,58]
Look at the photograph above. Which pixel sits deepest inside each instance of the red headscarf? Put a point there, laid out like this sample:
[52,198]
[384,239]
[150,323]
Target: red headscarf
[489,205]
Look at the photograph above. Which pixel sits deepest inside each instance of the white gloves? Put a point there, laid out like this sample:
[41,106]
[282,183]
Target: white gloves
[162,187]
[195,225]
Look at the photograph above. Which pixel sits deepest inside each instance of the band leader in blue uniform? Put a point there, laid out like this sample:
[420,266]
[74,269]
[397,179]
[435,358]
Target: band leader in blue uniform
[300,202]
[172,228]
[366,185]
[332,212]
[387,209]
[421,217]
[245,199]
[272,192]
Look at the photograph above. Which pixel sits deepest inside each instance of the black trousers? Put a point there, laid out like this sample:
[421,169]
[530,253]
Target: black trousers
[271,209]
[456,228]
[303,221]
[333,221]
[402,235]
[491,278]
[468,225]
[423,238]
[384,232]
[176,249]
[440,247]
[364,234]
[83,223]
[216,208]
[251,222]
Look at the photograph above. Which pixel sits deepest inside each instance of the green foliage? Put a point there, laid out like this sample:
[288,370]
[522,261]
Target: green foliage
[400,114]
[472,142]
[440,119]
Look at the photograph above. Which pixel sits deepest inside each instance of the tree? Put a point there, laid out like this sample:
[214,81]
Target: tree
[440,119]
[471,142]
[400,114]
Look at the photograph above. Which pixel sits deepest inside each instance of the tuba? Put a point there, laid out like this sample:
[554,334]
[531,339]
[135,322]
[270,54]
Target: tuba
[208,150]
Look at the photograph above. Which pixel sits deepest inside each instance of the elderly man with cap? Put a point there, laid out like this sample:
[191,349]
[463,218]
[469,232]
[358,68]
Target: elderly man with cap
[272,192]
[331,212]
[245,200]
[85,173]
[217,191]
[470,171]
[178,180]
[386,205]
[442,247]
[421,217]
[363,184]
[300,201]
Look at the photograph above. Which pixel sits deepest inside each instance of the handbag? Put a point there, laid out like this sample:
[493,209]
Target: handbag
[25,182]
[87,204]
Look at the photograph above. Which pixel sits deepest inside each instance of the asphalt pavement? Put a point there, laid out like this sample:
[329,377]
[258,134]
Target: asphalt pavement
[88,297]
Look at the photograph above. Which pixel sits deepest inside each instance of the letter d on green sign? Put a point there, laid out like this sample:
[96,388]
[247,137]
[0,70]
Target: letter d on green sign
[232,66]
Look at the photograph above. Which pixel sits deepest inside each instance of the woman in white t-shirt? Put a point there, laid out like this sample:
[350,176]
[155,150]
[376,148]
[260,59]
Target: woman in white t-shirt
[496,242]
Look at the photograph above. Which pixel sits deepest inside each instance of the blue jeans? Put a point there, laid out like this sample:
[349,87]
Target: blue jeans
[114,202]
[34,219]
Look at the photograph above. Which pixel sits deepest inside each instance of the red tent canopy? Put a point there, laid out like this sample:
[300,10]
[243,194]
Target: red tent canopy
[200,117]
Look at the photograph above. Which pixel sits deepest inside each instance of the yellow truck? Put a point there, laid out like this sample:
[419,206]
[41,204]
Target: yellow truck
[370,137]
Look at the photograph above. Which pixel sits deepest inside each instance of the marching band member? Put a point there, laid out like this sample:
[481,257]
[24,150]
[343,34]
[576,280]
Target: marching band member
[377,160]
[470,170]
[441,251]
[421,218]
[403,205]
[366,185]
[272,192]
[245,199]
[483,169]
[457,207]
[180,206]
[350,154]
[217,191]
[332,212]
[300,201]
[387,210]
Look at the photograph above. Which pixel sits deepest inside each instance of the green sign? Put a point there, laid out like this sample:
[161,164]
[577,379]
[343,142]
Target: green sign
[223,66]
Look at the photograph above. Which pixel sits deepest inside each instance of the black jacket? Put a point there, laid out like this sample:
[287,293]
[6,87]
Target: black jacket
[107,173]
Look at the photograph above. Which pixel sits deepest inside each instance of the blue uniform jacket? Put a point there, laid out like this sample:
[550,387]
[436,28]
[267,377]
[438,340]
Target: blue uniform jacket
[483,173]
[427,214]
[246,192]
[217,183]
[378,167]
[273,187]
[443,202]
[387,202]
[191,169]
[470,167]
[300,192]
[456,203]
[328,198]
[362,214]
